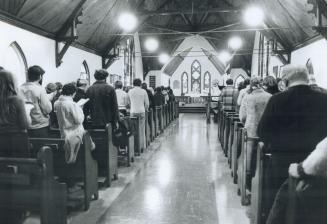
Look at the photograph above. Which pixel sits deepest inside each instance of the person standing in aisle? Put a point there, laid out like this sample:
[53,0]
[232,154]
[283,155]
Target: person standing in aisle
[139,103]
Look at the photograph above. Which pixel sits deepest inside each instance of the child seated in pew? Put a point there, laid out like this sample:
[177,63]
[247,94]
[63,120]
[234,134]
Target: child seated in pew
[70,119]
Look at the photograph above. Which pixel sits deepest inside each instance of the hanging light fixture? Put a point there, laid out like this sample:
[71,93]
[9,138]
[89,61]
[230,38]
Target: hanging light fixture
[235,43]
[254,16]
[127,21]
[151,44]
[164,58]
[224,56]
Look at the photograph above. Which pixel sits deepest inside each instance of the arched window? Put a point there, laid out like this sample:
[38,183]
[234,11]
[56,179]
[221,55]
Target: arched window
[239,79]
[184,83]
[85,72]
[196,77]
[207,82]
[15,62]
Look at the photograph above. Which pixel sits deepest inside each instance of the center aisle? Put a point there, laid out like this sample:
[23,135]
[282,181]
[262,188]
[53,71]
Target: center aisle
[178,184]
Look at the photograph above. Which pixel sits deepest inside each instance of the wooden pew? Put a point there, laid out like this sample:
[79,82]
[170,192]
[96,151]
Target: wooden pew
[84,170]
[29,184]
[230,136]
[176,109]
[159,117]
[105,153]
[249,145]
[151,124]
[135,121]
[236,148]
[262,193]
[226,127]
[147,130]
[129,157]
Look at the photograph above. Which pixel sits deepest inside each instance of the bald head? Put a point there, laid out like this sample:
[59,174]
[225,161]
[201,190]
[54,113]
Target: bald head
[295,74]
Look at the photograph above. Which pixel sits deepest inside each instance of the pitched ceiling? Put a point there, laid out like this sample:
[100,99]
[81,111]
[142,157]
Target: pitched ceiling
[168,20]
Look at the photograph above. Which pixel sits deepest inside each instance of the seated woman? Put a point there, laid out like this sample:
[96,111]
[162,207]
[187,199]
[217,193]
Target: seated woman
[13,119]
[70,119]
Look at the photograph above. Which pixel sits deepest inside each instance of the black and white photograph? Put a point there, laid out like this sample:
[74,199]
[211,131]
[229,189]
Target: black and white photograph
[163,111]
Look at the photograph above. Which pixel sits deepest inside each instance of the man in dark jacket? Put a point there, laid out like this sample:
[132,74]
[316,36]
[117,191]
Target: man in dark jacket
[158,98]
[150,95]
[102,105]
[292,124]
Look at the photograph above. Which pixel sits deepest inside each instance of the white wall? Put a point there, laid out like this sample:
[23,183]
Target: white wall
[41,51]
[157,74]
[317,52]
[273,61]
[197,42]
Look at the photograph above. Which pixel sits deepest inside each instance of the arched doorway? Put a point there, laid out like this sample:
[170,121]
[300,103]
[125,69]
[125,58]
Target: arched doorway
[15,62]
[238,79]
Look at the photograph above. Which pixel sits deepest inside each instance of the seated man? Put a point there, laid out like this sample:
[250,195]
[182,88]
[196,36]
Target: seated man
[102,106]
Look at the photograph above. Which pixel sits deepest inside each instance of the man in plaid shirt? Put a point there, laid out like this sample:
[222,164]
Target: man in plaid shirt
[228,96]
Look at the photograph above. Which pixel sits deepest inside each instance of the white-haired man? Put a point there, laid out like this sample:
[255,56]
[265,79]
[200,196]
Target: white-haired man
[293,123]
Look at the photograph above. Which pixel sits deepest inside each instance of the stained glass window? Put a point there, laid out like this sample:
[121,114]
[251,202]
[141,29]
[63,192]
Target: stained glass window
[184,83]
[196,77]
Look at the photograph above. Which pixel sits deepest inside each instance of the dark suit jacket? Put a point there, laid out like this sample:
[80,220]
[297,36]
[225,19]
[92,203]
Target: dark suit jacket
[103,105]
[294,120]
[159,99]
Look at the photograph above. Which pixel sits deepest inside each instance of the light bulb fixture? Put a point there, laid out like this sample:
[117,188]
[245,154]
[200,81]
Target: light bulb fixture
[224,56]
[127,21]
[164,58]
[235,43]
[151,44]
[254,16]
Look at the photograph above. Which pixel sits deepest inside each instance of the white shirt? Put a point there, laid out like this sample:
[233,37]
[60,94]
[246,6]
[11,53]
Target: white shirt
[122,99]
[139,100]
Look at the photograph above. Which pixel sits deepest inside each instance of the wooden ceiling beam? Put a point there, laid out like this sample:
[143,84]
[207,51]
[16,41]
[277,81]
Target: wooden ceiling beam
[188,12]
[75,13]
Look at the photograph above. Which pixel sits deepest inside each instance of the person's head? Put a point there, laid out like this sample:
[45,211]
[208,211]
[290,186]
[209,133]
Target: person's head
[68,89]
[7,89]
[269,82]
[118,85]
[137,82]
[1,68]
[240,86]
[158,90]
[101,74]
[35,73]
[144,86]
[229,82]
[293,75]
[170,91]
[246,82]
[50,88]
[59,86]
[255,83]
[82,83]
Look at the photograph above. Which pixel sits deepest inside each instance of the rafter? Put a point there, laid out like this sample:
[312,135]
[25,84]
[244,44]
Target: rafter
[188,12]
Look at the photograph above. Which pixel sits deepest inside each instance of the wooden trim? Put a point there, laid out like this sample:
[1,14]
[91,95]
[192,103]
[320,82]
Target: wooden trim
[308,42]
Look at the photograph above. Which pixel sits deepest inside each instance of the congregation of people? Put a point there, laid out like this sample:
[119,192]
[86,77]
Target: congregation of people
[289,116]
